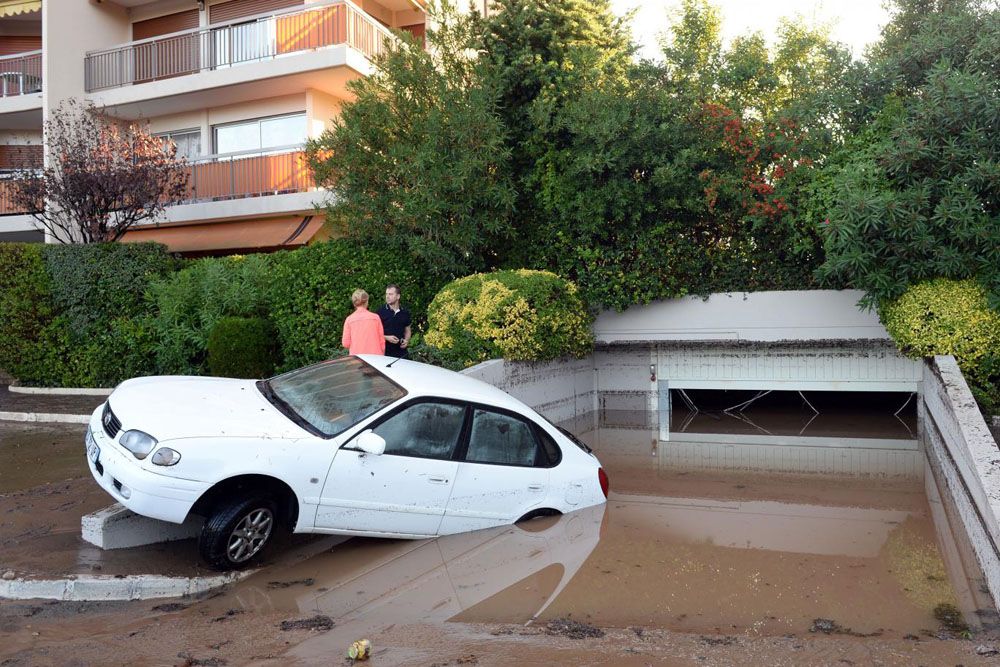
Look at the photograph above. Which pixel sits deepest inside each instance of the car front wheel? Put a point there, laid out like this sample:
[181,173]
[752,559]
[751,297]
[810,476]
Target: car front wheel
[236,532]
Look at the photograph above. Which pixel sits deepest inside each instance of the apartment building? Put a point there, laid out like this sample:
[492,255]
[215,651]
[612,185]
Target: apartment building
[237,85]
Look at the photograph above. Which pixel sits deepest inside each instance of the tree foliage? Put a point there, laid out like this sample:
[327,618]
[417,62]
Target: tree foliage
[104,177]
[921,198]
[419,162]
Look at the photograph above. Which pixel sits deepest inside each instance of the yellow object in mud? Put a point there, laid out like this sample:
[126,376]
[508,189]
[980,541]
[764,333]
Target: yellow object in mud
[360,650]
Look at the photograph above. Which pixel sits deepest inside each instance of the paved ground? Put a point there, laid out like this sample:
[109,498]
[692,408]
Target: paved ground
[72,405]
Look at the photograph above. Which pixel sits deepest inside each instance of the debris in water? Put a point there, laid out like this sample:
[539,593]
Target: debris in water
[228,615]
[360,650]
[322,623]
[169,607]
[983,649]
[950,618]
[191,661]
[288,584]
[470,659]
[567,627]
[726,640]
[829,627]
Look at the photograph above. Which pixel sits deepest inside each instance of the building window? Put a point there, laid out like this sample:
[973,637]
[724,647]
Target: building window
[188,142]
[261,134]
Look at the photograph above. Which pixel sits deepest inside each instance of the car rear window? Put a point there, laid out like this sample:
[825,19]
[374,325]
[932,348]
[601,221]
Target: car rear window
[330,397]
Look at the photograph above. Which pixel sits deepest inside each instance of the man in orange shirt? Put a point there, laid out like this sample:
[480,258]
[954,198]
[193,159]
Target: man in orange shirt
[363,332]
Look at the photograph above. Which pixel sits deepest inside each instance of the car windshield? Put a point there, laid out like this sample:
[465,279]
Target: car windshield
[330,397]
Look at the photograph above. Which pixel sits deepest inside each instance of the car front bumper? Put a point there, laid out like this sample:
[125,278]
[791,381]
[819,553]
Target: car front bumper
[145,493]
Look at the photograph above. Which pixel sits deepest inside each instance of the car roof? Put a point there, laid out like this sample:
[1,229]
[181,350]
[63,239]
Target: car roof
[425,380]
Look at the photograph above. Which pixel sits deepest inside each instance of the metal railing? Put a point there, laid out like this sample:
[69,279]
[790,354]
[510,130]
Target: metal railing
[227,44]
[21,74]
[7,204]
[249,174]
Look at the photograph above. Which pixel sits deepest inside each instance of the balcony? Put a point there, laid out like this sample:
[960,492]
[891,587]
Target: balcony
[7,205]
[21,90]
[245,185]
[249,174]
[285,47]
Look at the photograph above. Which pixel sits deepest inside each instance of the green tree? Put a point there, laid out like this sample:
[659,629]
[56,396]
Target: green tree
[536,54]
[921,199]
[695,175]
[418,161]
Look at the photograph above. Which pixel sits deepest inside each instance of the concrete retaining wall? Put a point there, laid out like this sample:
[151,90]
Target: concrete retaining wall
[965,459]
[561,390]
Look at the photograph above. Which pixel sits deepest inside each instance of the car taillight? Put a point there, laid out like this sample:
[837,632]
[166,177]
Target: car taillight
[602,477]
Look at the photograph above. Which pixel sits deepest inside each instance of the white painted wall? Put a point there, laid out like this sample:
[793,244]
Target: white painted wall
[747,316]
[965,459]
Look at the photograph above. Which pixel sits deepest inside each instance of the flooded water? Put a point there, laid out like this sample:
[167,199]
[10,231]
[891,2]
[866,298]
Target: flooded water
[705,552]
[689,551]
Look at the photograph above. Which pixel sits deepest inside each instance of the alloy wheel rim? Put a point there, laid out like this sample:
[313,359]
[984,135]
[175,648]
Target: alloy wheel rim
[250,535]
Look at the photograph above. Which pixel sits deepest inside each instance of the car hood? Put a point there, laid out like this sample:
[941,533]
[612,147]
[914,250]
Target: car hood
[171,407]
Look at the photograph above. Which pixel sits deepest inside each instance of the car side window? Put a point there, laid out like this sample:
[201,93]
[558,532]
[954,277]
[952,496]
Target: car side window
[499,438]
[426,430]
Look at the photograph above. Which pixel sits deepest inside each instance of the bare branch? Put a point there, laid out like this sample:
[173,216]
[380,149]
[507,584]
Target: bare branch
[104,177]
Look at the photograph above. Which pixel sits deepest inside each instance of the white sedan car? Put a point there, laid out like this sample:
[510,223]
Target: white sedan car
[364,445]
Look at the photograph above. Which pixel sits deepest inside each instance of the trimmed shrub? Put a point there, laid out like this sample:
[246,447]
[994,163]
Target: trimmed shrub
[190,302]
[521,314]
[96,283]
[945,316]
[242,347]
[312,287]
[124,348]
[26,307]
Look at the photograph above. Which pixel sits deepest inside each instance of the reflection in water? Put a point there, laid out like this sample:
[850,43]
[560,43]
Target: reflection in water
[696,564]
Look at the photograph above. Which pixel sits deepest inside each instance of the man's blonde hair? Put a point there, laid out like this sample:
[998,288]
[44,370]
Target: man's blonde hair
[359,298]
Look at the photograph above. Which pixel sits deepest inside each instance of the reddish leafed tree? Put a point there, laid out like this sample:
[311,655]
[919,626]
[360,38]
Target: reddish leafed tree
[103,177]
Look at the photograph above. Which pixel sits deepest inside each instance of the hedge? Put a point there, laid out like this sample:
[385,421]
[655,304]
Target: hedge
[96,283]
[953,317]
[242,347]
[187,304]
[520,314]
[26,306]
[312,288]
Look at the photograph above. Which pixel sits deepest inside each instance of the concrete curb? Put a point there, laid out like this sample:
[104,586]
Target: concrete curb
[51,417]
[59,391]
[104,587]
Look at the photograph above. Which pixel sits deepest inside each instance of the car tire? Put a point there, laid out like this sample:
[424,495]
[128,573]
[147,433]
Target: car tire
[237,531]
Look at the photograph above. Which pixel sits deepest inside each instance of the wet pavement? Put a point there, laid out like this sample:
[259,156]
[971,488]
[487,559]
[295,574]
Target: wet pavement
[71,405]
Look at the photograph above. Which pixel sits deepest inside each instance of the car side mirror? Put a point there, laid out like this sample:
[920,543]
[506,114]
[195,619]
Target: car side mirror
[370,442]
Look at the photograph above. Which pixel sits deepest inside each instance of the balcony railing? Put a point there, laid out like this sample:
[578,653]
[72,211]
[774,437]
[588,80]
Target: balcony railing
[227,44]
[7,205]
[21,74]
[248,174]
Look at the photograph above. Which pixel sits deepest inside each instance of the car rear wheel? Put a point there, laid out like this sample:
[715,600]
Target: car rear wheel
[236,532]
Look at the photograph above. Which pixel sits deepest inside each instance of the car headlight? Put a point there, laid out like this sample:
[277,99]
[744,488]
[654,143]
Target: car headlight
[165,456]
[139,443]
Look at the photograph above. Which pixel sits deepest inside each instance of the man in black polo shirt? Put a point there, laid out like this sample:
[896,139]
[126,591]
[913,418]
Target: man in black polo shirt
[395,323]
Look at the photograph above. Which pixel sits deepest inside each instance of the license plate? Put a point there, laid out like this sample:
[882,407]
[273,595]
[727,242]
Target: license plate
[93,449]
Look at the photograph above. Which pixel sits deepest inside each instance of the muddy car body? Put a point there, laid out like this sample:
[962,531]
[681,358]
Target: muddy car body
[363,445]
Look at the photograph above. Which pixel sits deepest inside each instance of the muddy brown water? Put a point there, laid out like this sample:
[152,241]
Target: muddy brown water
[769,563]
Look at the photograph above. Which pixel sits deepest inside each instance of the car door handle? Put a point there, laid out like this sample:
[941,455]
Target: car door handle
[437,480]
[535,487]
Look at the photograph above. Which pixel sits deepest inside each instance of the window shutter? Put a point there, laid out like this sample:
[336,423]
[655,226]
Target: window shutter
[12,44]
[164,25]
[237,9]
